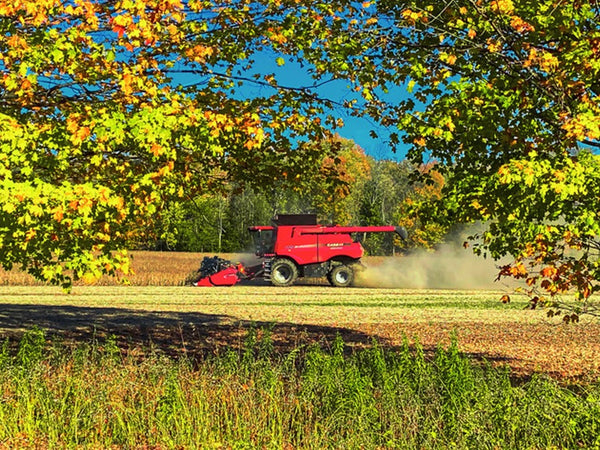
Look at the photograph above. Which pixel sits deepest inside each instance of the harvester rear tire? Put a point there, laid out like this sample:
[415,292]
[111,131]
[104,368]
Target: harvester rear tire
[283,272]
[341,276]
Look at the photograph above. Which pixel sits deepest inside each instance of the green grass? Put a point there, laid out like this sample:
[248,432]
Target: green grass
[315,396]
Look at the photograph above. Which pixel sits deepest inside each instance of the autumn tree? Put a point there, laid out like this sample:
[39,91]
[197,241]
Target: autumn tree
[334,188]
[422,211]
[110,109]
[514,115]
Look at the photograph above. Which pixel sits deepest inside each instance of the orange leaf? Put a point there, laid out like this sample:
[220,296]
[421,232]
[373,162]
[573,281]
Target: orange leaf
[30,235]
[120,30]
[58,214]
[549,271]
[156,149]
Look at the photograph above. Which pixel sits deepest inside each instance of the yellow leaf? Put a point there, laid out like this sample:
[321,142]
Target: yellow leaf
[126,84]
[502,6]
[9,208]
[89,278]
[30,234]
[96,160]
[493,46]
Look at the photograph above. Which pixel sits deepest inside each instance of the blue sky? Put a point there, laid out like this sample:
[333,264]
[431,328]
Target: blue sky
[358,129]
[355,128]
[291,74]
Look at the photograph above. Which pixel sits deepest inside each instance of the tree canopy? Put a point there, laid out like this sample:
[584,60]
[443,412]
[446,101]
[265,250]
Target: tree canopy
[109,109]
[514,114]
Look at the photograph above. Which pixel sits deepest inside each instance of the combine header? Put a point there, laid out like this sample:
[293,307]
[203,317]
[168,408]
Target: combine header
[218,272]
[295,246]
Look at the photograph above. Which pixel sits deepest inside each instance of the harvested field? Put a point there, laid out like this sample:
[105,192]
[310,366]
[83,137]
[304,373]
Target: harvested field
[186,320]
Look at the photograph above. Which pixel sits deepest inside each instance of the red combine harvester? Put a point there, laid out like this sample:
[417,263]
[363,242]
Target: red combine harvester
[295,246]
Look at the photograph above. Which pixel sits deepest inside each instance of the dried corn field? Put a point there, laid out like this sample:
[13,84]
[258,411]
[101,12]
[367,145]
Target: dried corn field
[156,313]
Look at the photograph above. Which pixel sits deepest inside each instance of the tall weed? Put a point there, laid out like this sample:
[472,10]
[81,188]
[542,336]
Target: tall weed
[317,396]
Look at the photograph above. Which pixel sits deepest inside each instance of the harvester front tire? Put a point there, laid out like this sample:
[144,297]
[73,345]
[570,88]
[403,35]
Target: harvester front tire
[341,276]
[283,272]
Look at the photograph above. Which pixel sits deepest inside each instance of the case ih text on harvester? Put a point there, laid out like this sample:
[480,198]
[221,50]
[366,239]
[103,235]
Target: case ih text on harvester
[295,246]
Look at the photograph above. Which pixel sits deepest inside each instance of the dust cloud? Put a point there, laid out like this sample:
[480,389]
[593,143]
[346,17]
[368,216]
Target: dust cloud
[449,267]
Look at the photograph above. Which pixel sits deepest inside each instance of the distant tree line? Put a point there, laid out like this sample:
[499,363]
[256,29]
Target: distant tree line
[347,188]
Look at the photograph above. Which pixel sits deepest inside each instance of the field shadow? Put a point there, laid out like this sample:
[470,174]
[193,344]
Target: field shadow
[171,333]
[197,335]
